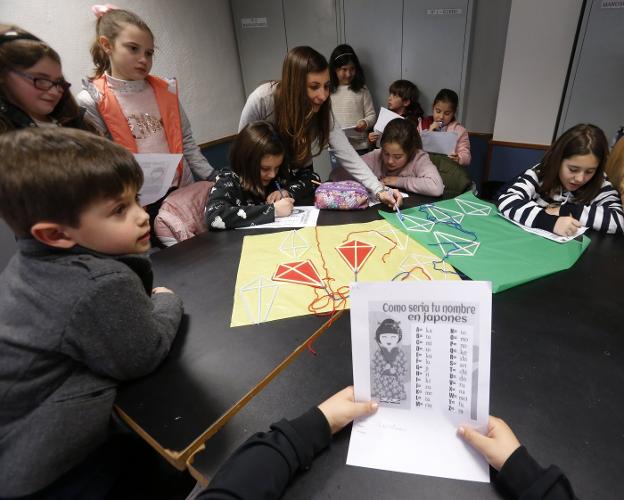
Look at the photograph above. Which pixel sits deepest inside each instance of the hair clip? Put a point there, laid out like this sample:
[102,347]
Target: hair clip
[99,10]
[12,35]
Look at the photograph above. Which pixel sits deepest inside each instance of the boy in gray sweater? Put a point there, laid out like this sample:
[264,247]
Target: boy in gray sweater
[77,310]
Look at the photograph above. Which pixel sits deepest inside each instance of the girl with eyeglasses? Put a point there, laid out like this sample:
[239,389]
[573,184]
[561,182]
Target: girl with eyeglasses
[33,92]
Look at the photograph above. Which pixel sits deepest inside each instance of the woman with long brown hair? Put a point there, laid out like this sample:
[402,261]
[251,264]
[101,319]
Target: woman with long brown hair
[300,108]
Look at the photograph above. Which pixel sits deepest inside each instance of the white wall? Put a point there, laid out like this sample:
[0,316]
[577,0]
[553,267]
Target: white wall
[485,61]
[194,39]
[537,53]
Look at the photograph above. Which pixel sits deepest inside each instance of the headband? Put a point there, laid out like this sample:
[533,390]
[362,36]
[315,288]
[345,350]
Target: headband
[12,35]
[345,54]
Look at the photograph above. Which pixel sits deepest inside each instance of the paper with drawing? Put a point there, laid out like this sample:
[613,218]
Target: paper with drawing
[422,350]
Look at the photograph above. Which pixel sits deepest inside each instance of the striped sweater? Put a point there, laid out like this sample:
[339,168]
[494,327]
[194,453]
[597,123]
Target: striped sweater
[523,203]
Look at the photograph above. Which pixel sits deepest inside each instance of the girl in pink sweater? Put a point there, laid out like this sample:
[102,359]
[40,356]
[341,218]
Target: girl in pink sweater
[401,163]
[443,120]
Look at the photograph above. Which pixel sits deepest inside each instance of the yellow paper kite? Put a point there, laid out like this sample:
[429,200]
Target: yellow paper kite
[308,271]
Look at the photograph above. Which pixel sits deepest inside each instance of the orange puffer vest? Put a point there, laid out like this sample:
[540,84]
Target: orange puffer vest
[117,124]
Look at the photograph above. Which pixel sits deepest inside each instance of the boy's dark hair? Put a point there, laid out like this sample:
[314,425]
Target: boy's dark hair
[54,174]
[254,141]
[405,134]
[341,56]
[407,90]
[582,139]
[388,325]
[447,95]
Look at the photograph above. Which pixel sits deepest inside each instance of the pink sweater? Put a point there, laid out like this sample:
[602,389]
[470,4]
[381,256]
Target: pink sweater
[418,176]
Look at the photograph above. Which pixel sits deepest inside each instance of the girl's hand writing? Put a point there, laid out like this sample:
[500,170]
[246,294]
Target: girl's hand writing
[566,226]
[283,207]
[277,195]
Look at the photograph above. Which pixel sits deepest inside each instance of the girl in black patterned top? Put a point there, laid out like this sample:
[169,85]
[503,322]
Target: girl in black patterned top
[255,190]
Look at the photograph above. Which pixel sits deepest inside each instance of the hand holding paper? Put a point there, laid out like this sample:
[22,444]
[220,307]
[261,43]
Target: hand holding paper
[341,409]
[496,446]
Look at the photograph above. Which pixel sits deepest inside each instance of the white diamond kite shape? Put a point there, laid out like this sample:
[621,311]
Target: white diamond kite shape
[258,296]
[400,238]
[462,246]
[414,259]
[444,214]
[473,208]
[294,245]
[416,224]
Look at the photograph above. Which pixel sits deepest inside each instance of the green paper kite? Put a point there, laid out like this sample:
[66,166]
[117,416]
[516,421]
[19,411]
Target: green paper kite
[469,234]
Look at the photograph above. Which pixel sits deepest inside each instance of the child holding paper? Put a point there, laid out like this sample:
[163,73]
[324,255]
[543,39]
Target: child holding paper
[133,108]
[443,120]
[403,100]
[401,162]
[256,190]
[567,189]
[268,461]
[351,100]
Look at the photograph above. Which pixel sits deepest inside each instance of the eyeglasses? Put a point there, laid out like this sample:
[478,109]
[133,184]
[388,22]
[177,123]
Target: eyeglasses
[45,83]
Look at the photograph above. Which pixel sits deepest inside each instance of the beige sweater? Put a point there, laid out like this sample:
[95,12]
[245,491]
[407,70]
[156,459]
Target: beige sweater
[350,107]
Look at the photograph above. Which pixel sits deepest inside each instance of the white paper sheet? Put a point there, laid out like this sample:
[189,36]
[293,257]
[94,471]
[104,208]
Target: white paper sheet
[439,142]
[300,217]
[352,133]
[547,234]
[158,172]
[385,115]
[439,382]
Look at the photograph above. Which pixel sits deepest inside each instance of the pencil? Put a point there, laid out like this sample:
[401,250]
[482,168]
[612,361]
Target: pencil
[316,182]
[279,188]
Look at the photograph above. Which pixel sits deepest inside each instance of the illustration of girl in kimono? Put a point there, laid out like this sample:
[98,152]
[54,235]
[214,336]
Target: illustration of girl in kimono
[389,364]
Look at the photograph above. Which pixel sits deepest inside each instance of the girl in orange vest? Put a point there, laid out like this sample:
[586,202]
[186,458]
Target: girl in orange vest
[133,108]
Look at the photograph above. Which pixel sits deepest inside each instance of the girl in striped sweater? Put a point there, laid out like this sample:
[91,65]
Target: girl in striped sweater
[568,188]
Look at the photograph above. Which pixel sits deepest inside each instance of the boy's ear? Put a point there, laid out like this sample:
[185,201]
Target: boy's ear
[407,102]
[105,43]
[52,234]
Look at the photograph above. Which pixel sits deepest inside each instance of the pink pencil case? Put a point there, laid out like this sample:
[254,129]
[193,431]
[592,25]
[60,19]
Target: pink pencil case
[342,195]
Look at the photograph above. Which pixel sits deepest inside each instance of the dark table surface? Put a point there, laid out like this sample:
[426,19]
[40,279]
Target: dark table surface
[213,369]
[557,372]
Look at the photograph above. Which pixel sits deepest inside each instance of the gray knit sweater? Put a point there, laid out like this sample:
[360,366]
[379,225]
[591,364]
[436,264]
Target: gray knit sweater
[72,324]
